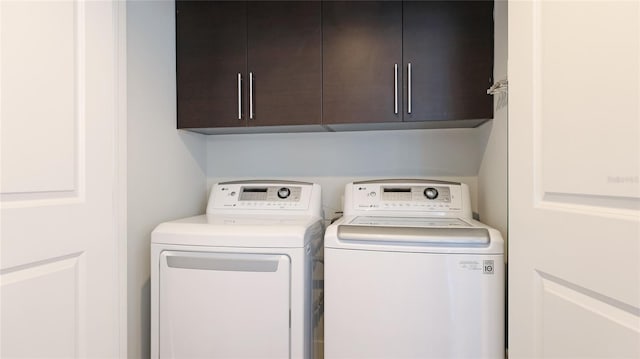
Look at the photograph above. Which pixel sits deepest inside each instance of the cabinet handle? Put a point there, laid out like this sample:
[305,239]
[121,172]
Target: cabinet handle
[409,88]
[395,89]
[251,95]
[239,96]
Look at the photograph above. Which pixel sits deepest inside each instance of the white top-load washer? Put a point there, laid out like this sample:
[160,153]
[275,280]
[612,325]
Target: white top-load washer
[236,282]
[410,274]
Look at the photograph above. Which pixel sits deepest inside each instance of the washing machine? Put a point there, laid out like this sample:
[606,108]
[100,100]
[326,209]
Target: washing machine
[236,282]
[410,274]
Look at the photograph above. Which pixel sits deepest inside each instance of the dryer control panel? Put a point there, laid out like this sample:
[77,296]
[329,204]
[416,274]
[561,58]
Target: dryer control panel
[260,195]
[411,196]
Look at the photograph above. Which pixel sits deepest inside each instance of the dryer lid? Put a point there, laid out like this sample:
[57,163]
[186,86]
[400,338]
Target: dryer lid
[259,231]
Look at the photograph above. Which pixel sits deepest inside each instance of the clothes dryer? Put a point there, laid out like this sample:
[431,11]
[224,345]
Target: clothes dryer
[410,274]
[236,282]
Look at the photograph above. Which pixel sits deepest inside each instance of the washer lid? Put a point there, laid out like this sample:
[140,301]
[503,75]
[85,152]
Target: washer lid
[424,230]
[409,221]
[259,231]
[413,234]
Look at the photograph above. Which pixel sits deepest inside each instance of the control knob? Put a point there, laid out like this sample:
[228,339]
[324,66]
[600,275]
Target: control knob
[431,193]
[284,192]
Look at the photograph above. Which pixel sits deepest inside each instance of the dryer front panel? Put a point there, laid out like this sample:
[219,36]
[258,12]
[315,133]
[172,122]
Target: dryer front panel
[224,305]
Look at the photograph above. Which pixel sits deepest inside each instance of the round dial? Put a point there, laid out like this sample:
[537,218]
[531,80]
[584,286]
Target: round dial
[284,192]
[431,193]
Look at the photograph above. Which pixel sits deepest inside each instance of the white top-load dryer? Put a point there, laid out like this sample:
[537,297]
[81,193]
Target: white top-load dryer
[410,274]
[236,282]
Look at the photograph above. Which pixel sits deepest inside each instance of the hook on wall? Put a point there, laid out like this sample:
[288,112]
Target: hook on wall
[498,87]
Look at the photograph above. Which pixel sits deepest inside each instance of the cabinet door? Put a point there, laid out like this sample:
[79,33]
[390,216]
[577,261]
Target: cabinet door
[449,45]
[362,41]
[211,49]
[285,54]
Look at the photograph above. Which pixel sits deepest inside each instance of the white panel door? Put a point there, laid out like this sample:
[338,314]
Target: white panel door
[62,276]
[574,167]
[224,305]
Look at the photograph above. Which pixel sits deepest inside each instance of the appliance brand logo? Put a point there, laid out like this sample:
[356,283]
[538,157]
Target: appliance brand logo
[487,266]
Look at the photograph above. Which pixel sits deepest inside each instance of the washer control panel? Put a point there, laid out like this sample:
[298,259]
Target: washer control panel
[263,197]
[407,197]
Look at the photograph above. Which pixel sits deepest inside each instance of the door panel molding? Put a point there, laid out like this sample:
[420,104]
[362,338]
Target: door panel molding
[620,207]
[588,142]
[619,311]
[55,324]
[53,171]
[561,303]
[574,190]
[7,275]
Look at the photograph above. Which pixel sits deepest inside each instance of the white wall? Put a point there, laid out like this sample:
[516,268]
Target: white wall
[333,159]
[492,177]
[166,168]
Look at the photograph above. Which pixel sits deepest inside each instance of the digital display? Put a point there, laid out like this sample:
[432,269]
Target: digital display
[255,189]
[396,190]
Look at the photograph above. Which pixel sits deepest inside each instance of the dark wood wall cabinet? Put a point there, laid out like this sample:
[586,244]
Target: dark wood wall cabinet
[250,63]
[333,65]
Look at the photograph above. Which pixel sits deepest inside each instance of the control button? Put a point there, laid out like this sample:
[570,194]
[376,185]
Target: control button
[233,193]
[431,193]
[372,194]
[284,192]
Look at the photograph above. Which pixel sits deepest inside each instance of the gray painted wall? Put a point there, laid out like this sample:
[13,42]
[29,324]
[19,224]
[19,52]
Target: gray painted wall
[165,168]
[492,176]
[333,159]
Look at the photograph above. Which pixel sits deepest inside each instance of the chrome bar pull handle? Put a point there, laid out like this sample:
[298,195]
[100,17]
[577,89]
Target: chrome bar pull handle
[409,88]
[395,89]
[251,95]
[239,96]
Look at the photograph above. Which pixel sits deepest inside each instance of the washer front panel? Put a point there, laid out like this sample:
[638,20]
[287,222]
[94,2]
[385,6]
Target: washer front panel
[413,305]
